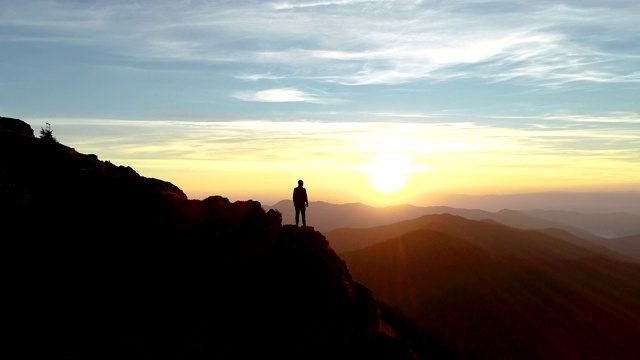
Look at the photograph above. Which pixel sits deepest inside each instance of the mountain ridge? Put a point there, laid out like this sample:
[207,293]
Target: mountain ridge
[349,239]
[332,216]
[105,263]
[335,218]
[495,292]
[573,201]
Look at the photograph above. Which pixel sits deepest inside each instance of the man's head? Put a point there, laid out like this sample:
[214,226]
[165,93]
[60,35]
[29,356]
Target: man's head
[300,183]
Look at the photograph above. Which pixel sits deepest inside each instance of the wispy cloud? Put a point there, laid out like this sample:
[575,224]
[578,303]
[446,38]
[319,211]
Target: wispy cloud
[258,77]
[288,5]
[217,140]
[359,42]
[280,95]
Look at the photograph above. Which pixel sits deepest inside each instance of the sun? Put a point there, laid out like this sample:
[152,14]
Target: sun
[386,182]
[387,173]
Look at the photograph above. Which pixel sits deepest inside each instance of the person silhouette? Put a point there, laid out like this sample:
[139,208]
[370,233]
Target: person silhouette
[300,202]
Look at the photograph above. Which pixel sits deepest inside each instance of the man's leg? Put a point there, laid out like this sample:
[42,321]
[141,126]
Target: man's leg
[304,216]
[298,216]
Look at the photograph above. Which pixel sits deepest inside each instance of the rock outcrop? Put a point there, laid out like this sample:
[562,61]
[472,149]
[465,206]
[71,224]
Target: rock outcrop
[105,263]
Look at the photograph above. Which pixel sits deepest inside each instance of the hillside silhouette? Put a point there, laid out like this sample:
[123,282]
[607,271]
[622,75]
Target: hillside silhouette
[490,291]
[348,239]
[104,263]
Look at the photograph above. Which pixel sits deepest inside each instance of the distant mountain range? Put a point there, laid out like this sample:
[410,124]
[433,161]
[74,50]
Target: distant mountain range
[490,291]
[327,216]
[615,231]
[582,202]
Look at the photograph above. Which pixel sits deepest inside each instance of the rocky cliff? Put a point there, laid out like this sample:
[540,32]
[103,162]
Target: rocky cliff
[105,263]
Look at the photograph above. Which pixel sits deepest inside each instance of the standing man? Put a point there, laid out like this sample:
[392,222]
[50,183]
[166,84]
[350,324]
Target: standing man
[300,202]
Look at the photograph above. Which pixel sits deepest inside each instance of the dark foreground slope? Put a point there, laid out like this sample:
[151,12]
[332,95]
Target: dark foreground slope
[494,292]
[102,263]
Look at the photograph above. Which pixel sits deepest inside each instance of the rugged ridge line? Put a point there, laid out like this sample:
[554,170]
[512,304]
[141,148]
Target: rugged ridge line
[107,263]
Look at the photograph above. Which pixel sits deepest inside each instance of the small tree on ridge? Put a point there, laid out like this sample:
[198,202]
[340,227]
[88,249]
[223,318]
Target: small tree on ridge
[47,134]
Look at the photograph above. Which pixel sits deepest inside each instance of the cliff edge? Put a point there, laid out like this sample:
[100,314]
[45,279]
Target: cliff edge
[105,263]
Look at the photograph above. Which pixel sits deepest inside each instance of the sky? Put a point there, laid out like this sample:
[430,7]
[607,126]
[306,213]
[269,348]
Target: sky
[378,102]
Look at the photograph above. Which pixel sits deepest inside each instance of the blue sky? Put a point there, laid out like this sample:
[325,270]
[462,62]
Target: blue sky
[257,94]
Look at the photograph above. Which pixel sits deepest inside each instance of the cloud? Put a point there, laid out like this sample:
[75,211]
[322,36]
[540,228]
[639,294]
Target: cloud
[348,142]
[288,5]
[258,77]
[336,40]
[278,95]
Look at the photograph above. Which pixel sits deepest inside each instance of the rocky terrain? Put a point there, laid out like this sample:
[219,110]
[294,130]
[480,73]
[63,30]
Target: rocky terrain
[105,263]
